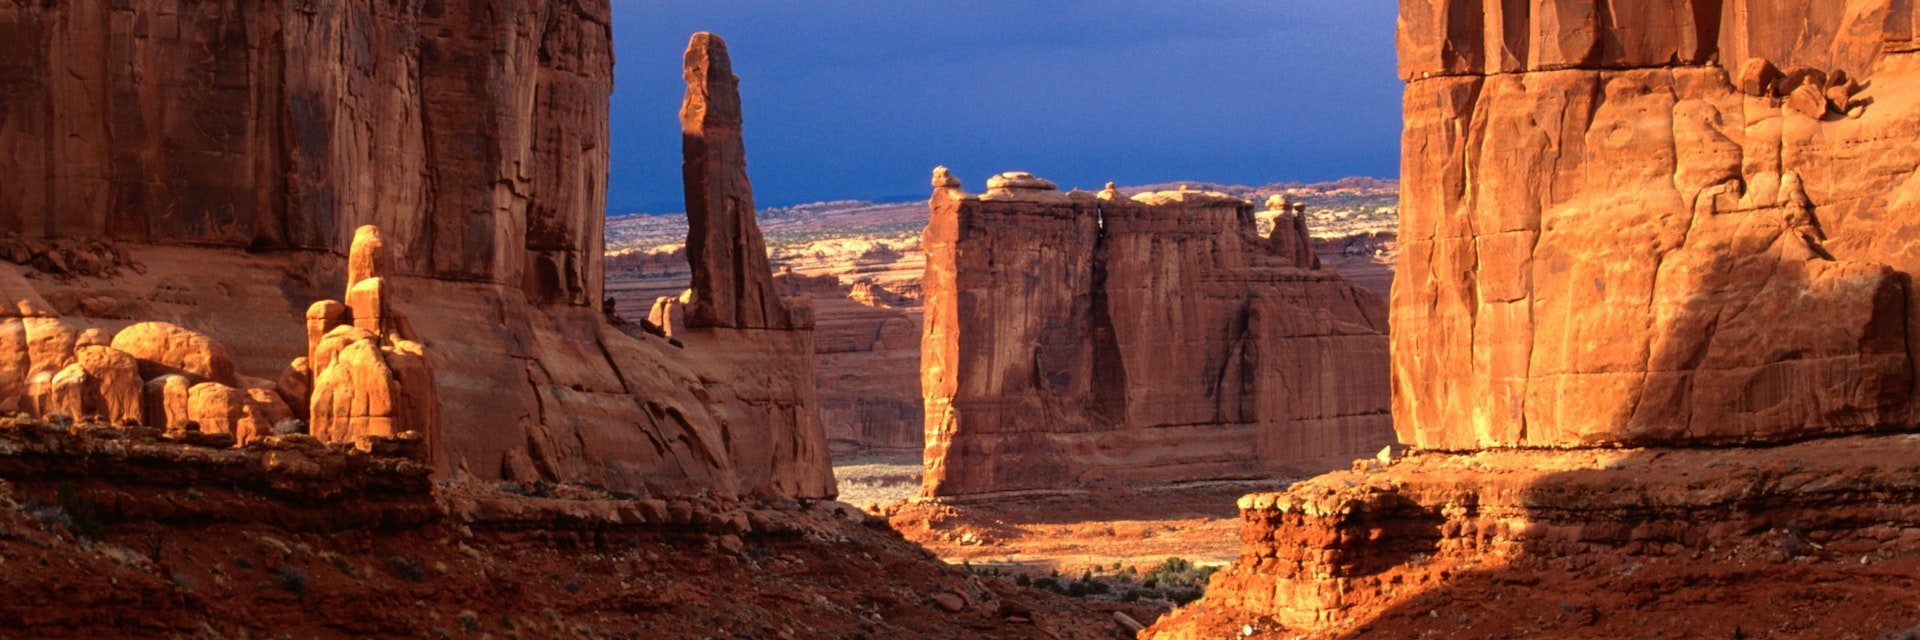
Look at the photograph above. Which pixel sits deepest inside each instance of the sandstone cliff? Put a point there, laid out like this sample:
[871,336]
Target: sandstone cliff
[1076,337]
[1646,237]
[1634,235]
[207,166]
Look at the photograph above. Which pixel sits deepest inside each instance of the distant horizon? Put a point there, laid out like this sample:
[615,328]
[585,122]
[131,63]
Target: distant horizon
[860,100]
[981,186]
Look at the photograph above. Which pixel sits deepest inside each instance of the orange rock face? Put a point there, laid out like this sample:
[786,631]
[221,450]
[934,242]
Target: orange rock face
[474,138]
[1073,337]
[1633,235]
[1628,252]
[162,348]
[732,285]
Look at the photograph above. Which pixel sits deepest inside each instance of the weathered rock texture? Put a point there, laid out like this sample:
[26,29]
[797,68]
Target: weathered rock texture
[1583,543]
[732,286]
[1643,231]
[1073,337]
[208,167]
[866,364]
[1607,241]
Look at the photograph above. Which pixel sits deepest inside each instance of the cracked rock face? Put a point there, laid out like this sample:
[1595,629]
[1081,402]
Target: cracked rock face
[1623,244]
[1073,338]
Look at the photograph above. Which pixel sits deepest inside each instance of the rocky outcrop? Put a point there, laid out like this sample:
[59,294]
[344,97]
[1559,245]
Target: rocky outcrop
[1638,233]
[1075,337]
[866,364]
[210,168]
[732,285]
[1569,543]
[1637,242]
[1289,237]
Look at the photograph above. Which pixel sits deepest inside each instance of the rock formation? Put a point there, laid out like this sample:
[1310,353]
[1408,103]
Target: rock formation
[1640,230]
[209,169]
[1075,337]
[866,364]
[1638,238]
[732,285]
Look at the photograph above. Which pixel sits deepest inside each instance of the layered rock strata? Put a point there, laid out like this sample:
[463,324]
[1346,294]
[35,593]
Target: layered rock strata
[208,168]
[866,364]
[1574,543]
[1077,337]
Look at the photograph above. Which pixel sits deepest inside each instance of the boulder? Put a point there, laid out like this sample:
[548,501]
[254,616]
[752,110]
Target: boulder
[114,385]
[367,257]
[295,387]
[16,365]
[354,391]
[219,408]
[265,396]
[167,402]
[50,343]
[70,394]
[323,317]
[162,348]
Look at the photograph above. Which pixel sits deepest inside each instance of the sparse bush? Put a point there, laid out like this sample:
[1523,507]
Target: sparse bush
[344,564]
[407,569]
[51,516]
[292,579]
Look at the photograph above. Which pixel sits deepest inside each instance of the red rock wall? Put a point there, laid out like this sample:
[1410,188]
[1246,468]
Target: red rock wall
[280,124]
[1072,338]
[229,149]
[1620,246]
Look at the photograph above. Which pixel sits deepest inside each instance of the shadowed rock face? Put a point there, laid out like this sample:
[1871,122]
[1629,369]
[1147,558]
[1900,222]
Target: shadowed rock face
[208,165]
[1073,338]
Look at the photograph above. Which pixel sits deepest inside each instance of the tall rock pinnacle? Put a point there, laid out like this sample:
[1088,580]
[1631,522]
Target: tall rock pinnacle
[732,285]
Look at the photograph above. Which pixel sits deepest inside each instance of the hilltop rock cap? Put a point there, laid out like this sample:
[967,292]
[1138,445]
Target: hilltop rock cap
[943,179]
[1012,180]
[1020,185]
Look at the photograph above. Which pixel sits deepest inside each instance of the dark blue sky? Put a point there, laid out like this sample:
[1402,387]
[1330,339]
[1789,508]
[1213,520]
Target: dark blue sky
[861,99]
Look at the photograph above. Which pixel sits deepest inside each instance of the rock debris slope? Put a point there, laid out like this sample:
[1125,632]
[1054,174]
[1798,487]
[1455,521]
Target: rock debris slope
[208,166]
[1073,338]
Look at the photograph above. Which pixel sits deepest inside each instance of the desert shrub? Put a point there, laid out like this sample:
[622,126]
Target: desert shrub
[292,579]
[407,569]
[342,563]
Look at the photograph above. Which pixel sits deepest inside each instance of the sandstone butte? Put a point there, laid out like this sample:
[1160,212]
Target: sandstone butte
[1078,338]
[1638,239]
[379,219]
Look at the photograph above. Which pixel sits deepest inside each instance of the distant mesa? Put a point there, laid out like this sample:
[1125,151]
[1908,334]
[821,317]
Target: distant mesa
[1045,362]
